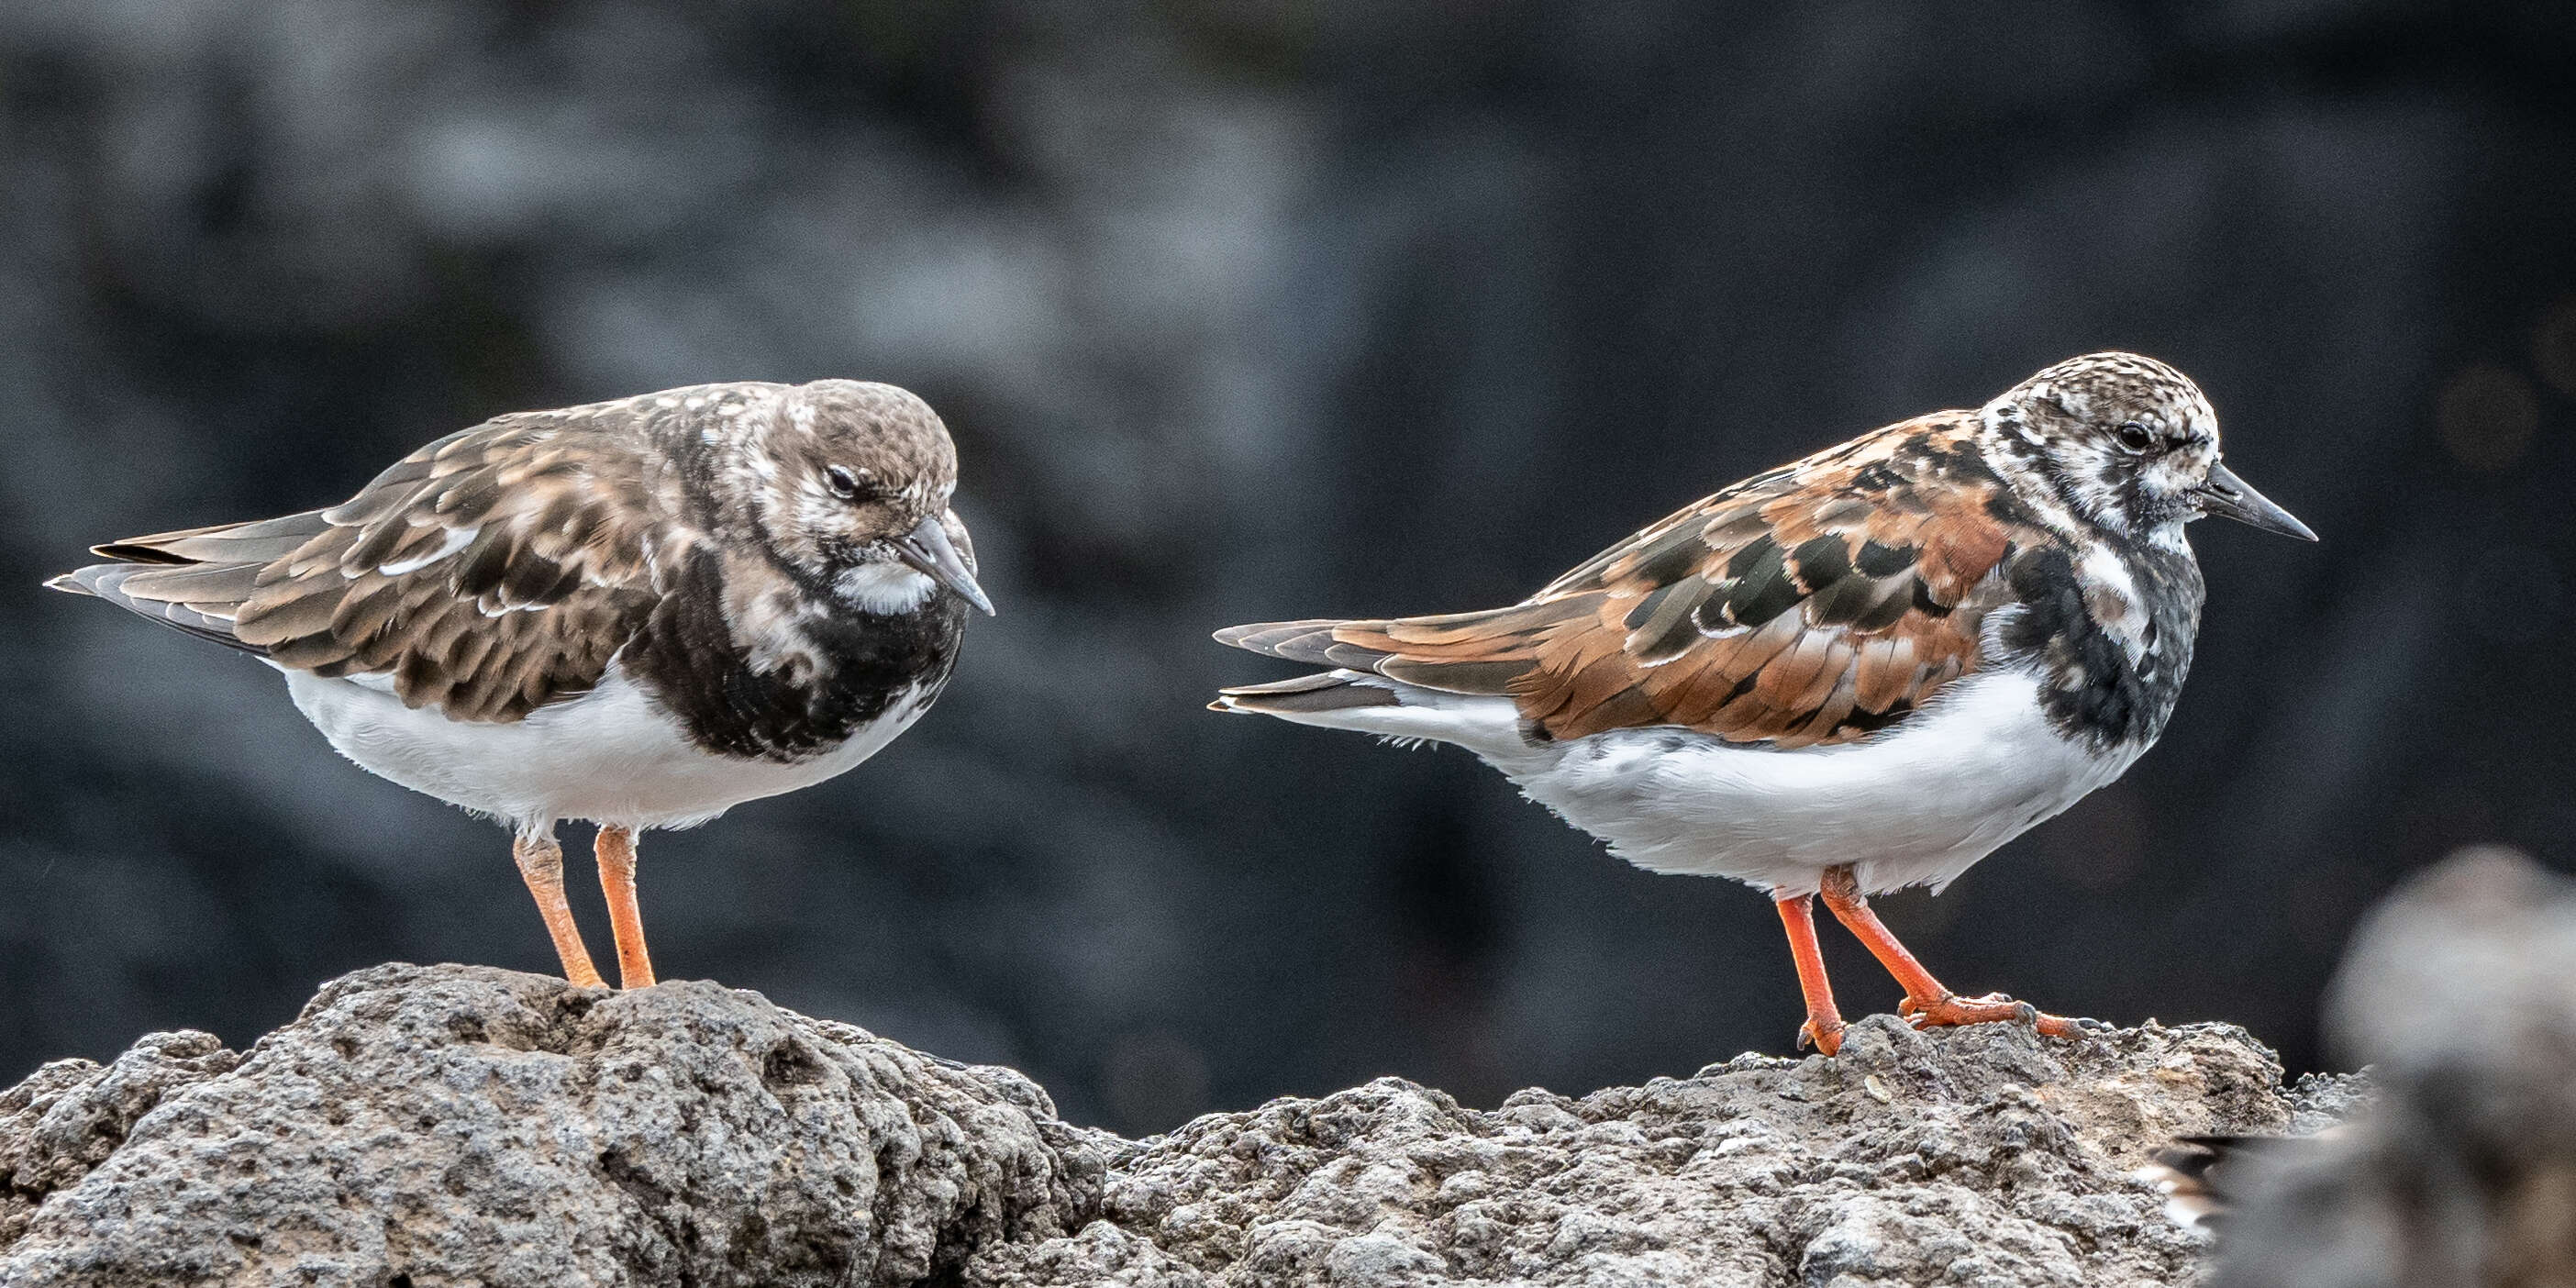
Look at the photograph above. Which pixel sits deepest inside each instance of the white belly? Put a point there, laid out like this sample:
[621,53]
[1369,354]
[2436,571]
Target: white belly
[1916,805]
[608,756]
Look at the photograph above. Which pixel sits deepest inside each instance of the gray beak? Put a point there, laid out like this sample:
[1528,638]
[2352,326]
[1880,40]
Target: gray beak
[928,550]
[2229,496]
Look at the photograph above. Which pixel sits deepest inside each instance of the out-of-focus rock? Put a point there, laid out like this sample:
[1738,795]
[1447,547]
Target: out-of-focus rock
[2460,994]
[449,1125]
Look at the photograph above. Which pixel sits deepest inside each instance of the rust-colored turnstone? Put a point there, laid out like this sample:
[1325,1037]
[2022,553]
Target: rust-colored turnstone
[1845,676]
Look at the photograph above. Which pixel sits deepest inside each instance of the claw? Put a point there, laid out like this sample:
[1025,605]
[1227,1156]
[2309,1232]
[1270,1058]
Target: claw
[1951,1009]
[1828,1042]
[1927,1004]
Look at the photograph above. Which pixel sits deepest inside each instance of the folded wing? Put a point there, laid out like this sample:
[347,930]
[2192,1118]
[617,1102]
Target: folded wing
[1814,604]
[489,573]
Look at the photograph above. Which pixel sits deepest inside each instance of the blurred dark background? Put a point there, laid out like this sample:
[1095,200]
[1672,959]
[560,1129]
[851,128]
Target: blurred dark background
[1254,310]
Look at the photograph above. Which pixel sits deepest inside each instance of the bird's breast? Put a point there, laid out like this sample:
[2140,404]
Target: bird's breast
[2110,632]
[787,679]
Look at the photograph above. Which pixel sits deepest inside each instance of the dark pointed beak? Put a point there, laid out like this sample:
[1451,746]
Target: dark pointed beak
[2227,495]
[928,550]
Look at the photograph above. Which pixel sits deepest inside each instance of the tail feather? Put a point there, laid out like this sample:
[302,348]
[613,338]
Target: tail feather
[1309,641]
[194,580]
[262,542]
[1366,702]
[1304,695]
[1470,653]
[114,583]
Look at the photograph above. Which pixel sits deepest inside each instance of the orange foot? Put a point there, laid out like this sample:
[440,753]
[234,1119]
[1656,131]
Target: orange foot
[1826,1038]
[1994,1008]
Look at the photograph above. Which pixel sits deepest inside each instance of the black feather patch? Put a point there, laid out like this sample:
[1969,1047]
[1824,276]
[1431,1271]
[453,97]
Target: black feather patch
[484,564]
[1842,602]
[1876,560]
[1666,628]
[1821,561]
[2094,692]
[1672,555]
[1891,600]
[1760,588]
[687,657]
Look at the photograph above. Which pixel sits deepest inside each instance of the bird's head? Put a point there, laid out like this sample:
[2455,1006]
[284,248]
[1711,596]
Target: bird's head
[850,484]
[2124,443]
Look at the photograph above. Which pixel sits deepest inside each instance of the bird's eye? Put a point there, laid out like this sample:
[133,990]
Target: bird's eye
[847,484]
[2134,436]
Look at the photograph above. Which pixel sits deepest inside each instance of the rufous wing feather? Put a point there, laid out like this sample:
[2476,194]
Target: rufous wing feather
[1817,603]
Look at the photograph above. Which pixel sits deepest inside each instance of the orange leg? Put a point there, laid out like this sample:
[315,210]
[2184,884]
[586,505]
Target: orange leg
[1926,1003]
[541,863]
[616,853]
[1824,1026]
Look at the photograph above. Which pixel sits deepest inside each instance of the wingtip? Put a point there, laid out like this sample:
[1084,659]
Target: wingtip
[69,584]
[1299,695]
[135,550]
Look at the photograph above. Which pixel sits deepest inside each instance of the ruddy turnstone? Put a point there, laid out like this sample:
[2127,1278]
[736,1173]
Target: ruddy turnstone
[1845,676]
[639,613]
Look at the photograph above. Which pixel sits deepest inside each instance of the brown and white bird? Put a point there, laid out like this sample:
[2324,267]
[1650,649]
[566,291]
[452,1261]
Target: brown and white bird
[638,612]
[1852,674]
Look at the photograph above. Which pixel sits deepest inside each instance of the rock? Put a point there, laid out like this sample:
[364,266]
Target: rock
[2457,992]
[67,1117]
[1987,1155]
[452,1125]
[457,1125]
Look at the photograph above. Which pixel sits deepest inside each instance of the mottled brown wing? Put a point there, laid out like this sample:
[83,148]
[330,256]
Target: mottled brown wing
[1813,604]
[491,572]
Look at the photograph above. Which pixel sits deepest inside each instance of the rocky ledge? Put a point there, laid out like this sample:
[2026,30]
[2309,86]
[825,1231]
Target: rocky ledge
[458,1125]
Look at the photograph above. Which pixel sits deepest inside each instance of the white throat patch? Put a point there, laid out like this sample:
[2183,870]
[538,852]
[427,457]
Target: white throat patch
[885,588]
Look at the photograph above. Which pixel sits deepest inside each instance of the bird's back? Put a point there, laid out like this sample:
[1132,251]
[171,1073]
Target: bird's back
[1875,655]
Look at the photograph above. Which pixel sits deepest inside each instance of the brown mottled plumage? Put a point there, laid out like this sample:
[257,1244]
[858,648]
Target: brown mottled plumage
[488,574]
[639,612]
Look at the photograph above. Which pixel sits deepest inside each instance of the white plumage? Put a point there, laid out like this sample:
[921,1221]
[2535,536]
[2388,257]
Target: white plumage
[1915,805]
[610,755]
